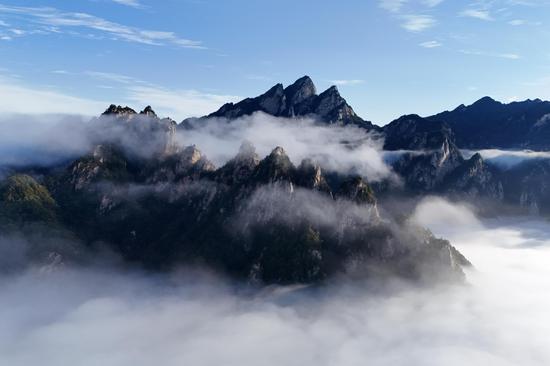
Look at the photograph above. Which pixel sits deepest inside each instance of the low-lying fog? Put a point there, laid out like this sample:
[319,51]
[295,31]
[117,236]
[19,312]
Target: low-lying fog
[501,317]
[506,159]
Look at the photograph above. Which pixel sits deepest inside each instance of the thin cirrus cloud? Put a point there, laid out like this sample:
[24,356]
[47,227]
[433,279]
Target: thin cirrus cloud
[176,103]
[477,14]
[430,44]
[19,98]
[393,6]
[417,23]
[509,56]
[347,82]
[432,3]
[131,3]
[52,20]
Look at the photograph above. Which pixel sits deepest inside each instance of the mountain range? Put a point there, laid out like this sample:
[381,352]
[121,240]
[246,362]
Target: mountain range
[142,195]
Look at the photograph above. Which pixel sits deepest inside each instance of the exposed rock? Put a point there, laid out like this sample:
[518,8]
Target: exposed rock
[298,99]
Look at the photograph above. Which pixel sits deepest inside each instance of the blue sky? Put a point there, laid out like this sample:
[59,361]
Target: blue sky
[187,57]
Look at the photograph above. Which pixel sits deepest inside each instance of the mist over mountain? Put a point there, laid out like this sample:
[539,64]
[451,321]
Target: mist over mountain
[224,191]
[285,218]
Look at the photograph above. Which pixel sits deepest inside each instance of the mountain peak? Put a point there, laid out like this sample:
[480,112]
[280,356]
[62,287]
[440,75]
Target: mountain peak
[118,110]
[302,89]
[148,111]
[485,101]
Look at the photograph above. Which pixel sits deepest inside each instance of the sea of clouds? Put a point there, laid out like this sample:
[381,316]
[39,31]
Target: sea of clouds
[112,317]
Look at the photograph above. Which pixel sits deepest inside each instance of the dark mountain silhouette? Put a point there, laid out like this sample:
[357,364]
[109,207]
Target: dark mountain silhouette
[491,124]
[297,100]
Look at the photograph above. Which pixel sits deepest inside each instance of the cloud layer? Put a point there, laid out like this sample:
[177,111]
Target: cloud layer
[89,317]
[342,149]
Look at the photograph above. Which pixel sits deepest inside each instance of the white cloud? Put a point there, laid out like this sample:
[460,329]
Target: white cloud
[478,14]
[418,23]
[509,56]
[57,20]
[432,3]
[111,318]
[132,3]
[179,103]
[118,78]
[430,44]
[393,6]
[516,22]
[344,82]
[301,139]
[18,98]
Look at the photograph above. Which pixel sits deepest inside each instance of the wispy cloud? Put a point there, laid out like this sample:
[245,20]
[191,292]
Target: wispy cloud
[118,78]
[344,82]
[132,3]
[175,103]
[431,3]
[180,103]
[477,14]
[19,98]
[393,6]
[430,44]
[57,20]
[509,56]
[417,23]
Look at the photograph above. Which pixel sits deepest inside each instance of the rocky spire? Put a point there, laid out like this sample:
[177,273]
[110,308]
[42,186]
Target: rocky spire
[301,90]
[148,111]
[118,111]
[275,167]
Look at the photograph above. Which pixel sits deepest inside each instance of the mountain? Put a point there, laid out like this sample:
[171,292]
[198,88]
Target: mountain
[259,219]
[490,124]
[297,100]
[412,132]
[426,151]
[159,204]
[484,124]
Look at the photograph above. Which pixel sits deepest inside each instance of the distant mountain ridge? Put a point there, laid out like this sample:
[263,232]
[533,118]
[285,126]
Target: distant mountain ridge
[490,124]
[484,124]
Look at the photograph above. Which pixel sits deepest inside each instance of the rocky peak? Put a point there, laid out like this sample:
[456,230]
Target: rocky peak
[247,151]
[485,101]
[119,111]
[241,167]
[311,176]
[191,155]
[357,190]
[273,101]
[412,132]
[301,90]
[275,167]
[329,100]
[149,112]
